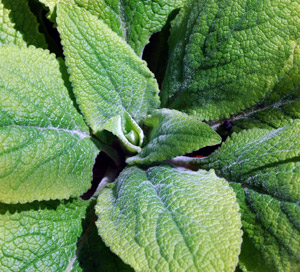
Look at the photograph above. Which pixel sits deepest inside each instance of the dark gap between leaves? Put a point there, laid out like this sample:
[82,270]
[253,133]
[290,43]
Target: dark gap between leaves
[156,52]
[52,36]
[46,27]
[102,163]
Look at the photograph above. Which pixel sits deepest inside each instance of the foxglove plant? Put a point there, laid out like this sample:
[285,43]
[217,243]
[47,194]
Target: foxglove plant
[156,208]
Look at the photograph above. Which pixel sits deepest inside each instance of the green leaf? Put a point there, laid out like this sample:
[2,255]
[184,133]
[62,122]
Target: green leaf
[46,151]
[267,160]
[135,21]
[226,56]
[164,219]
[250,259]
[92,254]
[266,166]
[270,252]
[108,78]
[40,236]
[278,107]
[173,133]
[18,25]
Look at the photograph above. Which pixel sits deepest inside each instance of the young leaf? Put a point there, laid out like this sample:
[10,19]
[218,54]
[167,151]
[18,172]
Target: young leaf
[164,219]
[135,21]
[40,236]
[173,133]
[46,151]
[266,164]
[18,25]
[226,56]
[127,130]
[108,78]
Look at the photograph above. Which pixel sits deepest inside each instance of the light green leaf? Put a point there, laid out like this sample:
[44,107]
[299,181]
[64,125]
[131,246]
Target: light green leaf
[127,130]
[225,56]
[173,133]
[92,254]
[266,166]
[108,78]
[133,20]
[45,148]
[40,236]
[171,220]
[18,25]
[278,107]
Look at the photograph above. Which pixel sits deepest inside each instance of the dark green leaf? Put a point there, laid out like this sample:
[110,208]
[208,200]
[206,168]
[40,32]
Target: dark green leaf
[225,56]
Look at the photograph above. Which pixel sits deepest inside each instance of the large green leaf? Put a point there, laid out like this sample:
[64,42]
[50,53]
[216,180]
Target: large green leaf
[18,25]
[135,21]
[265,165]
[173,133]
[40,236]
[226,56]
[45,148]
[108,78]
[278,107]
[164,219]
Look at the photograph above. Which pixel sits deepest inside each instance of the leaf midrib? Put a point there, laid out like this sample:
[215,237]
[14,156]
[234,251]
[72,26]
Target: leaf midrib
[79,133]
